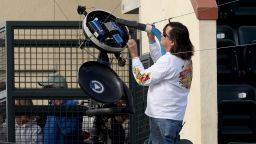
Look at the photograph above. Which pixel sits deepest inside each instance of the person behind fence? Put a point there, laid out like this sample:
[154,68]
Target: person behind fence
[60,129]
[27,131]
[169,80]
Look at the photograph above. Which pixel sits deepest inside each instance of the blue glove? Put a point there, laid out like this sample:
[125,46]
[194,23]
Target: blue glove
[158,35]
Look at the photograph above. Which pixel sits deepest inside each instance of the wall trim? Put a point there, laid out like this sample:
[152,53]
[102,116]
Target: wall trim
[205,9]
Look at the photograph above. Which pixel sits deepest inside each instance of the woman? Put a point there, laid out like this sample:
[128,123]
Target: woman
[169,81]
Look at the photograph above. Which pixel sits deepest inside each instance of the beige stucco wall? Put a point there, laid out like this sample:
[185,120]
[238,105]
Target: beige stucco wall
[129,5]
[42,10]
[201,115]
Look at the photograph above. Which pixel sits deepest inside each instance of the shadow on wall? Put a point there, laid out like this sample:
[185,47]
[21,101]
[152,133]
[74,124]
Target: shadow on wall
[2,86]
[184,141]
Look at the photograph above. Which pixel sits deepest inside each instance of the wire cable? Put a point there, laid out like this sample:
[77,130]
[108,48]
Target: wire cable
[227,3]
[61,10]
[113,10]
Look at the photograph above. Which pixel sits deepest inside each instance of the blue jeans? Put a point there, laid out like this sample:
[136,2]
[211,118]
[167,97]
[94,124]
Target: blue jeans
[163,131]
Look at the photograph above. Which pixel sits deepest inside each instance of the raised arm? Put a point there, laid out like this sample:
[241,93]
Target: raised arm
[149,76]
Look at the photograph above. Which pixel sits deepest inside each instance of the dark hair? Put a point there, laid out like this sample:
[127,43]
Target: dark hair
[183,47]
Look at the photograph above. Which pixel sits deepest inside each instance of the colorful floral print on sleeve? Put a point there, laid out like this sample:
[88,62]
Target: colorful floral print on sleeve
[140,78]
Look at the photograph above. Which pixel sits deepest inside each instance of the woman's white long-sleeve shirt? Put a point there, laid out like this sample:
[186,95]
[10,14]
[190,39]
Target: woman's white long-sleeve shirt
[169,80]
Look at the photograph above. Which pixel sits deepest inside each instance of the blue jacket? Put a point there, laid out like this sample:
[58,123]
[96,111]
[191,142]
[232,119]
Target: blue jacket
[61,129]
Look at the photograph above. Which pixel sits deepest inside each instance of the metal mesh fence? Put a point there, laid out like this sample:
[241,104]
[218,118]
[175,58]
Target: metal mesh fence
[2,60]
[49,123]
[38,52]
[53,115]
[140,131]
[2,84]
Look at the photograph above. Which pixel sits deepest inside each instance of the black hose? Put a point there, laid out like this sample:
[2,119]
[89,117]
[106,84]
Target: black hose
[132,24]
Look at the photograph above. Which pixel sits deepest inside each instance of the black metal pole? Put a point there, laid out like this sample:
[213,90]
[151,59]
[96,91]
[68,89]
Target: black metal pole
[10,116]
